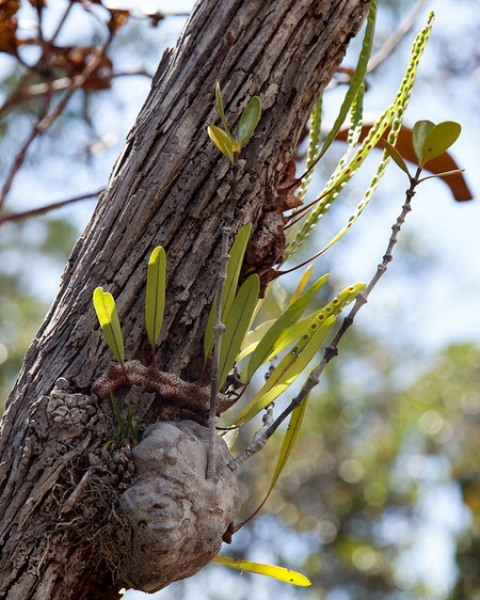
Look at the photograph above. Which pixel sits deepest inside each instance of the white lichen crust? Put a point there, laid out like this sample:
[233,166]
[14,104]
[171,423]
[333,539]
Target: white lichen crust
[177,516]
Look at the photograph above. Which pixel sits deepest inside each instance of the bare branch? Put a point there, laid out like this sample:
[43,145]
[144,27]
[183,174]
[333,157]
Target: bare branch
[47,207]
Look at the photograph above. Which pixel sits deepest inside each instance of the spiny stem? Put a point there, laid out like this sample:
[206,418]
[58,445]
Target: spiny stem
[260,438]
[218,330]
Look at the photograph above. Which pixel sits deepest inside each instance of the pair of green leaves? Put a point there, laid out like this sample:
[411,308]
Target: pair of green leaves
[223,138]
[429,141]
[237,308]
[107,315]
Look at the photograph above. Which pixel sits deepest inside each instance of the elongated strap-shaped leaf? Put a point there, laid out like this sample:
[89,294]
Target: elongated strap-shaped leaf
[334,307]
[314,136]
[266,346]
[287,371]
[252,337]
[302,284]
[155,294]
[237,324]
[291,435]
[357,79]
[280,573]
[105,308]
[249,120]
[221,109]
[234,266]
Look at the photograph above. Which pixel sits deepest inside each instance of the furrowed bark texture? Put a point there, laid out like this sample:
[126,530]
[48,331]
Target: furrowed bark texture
[169,187]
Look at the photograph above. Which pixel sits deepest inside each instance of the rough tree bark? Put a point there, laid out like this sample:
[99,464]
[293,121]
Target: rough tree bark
[59,487]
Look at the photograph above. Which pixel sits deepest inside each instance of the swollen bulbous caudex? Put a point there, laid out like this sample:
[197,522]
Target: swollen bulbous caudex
[177,516]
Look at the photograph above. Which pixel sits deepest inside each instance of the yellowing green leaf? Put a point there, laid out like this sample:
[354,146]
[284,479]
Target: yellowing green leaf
[302,284]
[252,337]
[419,133]
[289,440]
[223,141]
[267,345]
[220,108]
[439,139]
[234,266]
[396,156]
[249,120]
[280,573]
[105,308]
[237,324]
[155,294]
[287,371]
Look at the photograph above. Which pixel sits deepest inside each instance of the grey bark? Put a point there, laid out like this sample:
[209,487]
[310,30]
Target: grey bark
[169,187]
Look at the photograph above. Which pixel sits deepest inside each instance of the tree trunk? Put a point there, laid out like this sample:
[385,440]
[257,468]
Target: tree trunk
[59,484]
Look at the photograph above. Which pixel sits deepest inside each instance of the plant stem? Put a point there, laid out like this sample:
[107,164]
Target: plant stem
[218,330]
[260,438]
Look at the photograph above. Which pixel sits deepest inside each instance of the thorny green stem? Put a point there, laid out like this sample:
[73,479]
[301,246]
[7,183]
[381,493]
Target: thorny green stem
[260,438]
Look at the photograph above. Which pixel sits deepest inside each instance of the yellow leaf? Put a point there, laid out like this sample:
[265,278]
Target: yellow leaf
[279,573]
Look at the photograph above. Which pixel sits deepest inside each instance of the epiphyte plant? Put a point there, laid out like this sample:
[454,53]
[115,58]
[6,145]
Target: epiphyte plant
[223,139]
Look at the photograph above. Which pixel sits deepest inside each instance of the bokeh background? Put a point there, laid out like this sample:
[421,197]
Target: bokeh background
[381,498]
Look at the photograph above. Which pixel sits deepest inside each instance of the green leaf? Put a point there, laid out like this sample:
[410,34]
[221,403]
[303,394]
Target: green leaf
[291,435]
[237,324]
[334,307]
[396,156]
[287,371]
[357,79]
[155,295]
[105,308]
[419,133]
[234,266]
[220,108]
[267,345]
[439,139]
[302,284]
[249,120]
[280,573]
[252,338]
[223,141]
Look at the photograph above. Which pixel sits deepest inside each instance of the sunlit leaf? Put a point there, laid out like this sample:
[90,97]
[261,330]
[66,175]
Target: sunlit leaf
[237,324]
[291,436]
[302,284]
[334,307]
[287,371]
[223,141]
[396,156]
[439,139]
[155,294]
[266,346]
[105,308]
[357,79]
[280,573]
[234,266]
[249,120]
[419,133]
[252,338]
[220,108]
